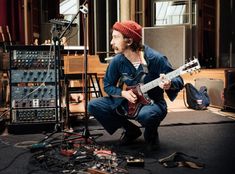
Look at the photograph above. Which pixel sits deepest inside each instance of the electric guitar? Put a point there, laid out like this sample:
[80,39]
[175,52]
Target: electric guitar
[140,90]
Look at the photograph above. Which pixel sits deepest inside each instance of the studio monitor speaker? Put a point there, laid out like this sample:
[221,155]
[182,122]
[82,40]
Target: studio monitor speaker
[170,41]
[215,89]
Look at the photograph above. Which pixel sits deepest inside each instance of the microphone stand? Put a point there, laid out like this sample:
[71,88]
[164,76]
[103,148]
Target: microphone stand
[86,132]
[84,11]
[57,36]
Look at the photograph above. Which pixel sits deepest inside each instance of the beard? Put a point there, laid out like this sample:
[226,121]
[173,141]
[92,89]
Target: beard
[115,49]
[119,50]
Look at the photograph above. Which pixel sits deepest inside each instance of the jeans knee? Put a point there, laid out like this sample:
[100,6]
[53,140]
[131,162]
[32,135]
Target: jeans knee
[91,106]
[149,120]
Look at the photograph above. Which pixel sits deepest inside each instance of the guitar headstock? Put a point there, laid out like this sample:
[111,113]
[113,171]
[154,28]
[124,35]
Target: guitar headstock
[191,66]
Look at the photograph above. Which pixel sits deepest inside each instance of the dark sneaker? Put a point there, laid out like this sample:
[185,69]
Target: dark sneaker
[129,137]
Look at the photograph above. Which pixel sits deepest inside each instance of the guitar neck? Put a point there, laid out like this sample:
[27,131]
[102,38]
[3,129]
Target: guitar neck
[187,68]
[150,85]
[2,34]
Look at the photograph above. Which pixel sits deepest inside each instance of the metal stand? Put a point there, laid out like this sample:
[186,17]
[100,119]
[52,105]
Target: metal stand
[86,132]
[84,11]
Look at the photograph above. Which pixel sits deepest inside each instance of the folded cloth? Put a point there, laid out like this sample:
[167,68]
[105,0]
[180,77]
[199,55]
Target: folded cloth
[179,159]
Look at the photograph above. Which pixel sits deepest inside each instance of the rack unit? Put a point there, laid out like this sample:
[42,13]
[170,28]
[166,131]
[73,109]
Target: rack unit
[34,86]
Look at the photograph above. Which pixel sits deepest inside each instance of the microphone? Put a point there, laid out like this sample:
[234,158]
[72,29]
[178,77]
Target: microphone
[108,58]
[84,9]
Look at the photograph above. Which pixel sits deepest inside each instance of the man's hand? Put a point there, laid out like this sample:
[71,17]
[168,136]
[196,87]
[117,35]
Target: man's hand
[165,83]
[129,95]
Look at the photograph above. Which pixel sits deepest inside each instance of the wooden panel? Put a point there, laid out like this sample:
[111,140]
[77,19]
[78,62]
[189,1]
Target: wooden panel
[75,64]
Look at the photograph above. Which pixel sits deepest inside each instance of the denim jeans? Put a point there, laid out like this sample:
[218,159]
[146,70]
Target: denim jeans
[149,115]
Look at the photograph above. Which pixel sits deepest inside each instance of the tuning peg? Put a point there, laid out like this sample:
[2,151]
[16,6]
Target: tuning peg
[187,60]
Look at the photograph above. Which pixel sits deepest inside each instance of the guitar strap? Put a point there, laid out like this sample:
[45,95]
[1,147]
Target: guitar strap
[143,73]
[144,65]
[121,110]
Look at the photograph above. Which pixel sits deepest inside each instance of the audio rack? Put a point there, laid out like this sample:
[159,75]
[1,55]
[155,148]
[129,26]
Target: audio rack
[34,85]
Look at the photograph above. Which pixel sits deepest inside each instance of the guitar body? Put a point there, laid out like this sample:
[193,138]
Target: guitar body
[142,99]
[141,90]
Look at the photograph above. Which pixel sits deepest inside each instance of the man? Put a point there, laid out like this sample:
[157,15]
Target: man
[134,64]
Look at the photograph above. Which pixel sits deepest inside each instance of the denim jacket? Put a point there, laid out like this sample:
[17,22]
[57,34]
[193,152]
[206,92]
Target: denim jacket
[120,68]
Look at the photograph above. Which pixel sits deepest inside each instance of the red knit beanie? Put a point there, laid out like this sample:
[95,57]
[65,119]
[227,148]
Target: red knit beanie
[130,29]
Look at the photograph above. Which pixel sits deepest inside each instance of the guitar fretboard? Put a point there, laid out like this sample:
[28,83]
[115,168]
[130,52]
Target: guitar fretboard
[187,68]
[150,85]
